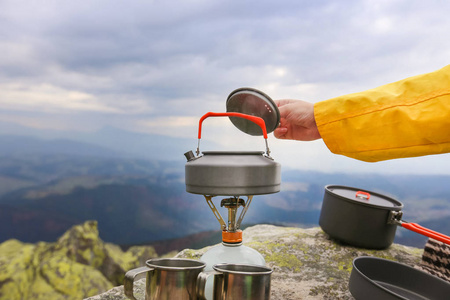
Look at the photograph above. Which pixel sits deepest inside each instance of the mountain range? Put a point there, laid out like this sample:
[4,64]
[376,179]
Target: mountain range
[46,186]
[107,141]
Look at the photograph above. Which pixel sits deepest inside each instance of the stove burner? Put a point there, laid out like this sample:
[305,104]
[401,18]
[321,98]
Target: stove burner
[231,233]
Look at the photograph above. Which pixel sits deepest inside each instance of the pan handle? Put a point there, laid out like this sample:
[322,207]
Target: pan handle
[257,120]
[426,232]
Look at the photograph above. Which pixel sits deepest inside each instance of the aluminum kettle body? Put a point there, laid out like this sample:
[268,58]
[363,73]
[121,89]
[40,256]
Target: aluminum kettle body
[232,174]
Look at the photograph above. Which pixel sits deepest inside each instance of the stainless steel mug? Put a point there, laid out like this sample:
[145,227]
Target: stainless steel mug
[237,281]
[167,278]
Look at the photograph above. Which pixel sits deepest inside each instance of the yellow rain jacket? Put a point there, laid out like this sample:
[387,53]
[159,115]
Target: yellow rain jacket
[407,118]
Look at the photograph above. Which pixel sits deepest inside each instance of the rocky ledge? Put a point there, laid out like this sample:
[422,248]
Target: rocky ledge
[307,264]
[78,265]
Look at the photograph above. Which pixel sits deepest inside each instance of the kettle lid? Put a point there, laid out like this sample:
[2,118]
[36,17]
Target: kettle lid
[253,102]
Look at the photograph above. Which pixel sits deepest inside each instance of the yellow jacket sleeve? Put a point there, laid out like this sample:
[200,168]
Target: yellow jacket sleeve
[407,118]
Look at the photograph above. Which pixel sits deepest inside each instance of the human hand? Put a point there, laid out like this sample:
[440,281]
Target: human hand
[296,121]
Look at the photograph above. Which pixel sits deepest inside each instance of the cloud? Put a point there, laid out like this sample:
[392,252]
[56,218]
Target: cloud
[48,98]
[144,63]
[170,126]
[180,48]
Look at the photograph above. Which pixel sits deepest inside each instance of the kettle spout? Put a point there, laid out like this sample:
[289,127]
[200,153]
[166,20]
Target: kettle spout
[189,155]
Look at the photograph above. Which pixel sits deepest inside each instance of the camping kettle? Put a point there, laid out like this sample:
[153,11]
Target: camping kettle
[234,173]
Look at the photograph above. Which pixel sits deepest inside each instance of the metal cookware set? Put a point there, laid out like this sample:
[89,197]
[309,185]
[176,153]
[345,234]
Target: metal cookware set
[369,220]
[352,216]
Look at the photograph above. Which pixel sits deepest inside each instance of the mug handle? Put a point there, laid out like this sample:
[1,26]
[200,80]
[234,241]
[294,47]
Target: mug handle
[201,282]
[130,276]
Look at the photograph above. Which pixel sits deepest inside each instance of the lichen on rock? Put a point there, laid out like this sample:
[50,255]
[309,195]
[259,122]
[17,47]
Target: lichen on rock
[77,266]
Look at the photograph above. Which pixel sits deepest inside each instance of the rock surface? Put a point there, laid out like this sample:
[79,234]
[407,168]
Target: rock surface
[78,265]
[306,263]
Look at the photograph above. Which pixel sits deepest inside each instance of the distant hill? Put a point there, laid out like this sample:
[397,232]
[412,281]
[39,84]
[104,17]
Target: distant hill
[127,212]
[25,145]
[64,171]
[130,198]
[139,201]
[105,142]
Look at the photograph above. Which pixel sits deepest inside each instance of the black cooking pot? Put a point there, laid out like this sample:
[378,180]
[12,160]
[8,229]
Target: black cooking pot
[365,219]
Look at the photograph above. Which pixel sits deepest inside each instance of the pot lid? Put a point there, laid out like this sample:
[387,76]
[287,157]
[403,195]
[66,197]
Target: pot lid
[253,102]
[363,196]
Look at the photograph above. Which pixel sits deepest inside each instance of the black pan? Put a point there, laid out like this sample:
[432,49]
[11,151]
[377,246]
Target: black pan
[375,278]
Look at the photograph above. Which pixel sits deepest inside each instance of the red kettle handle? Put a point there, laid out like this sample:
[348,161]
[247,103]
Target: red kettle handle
[427,232]
[257,120]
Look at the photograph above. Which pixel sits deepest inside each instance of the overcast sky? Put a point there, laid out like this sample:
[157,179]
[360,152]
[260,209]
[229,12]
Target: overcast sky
[157,66]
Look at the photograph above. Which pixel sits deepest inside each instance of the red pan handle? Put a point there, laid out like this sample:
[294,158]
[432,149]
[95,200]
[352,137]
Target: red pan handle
[427,232]
[257,120]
